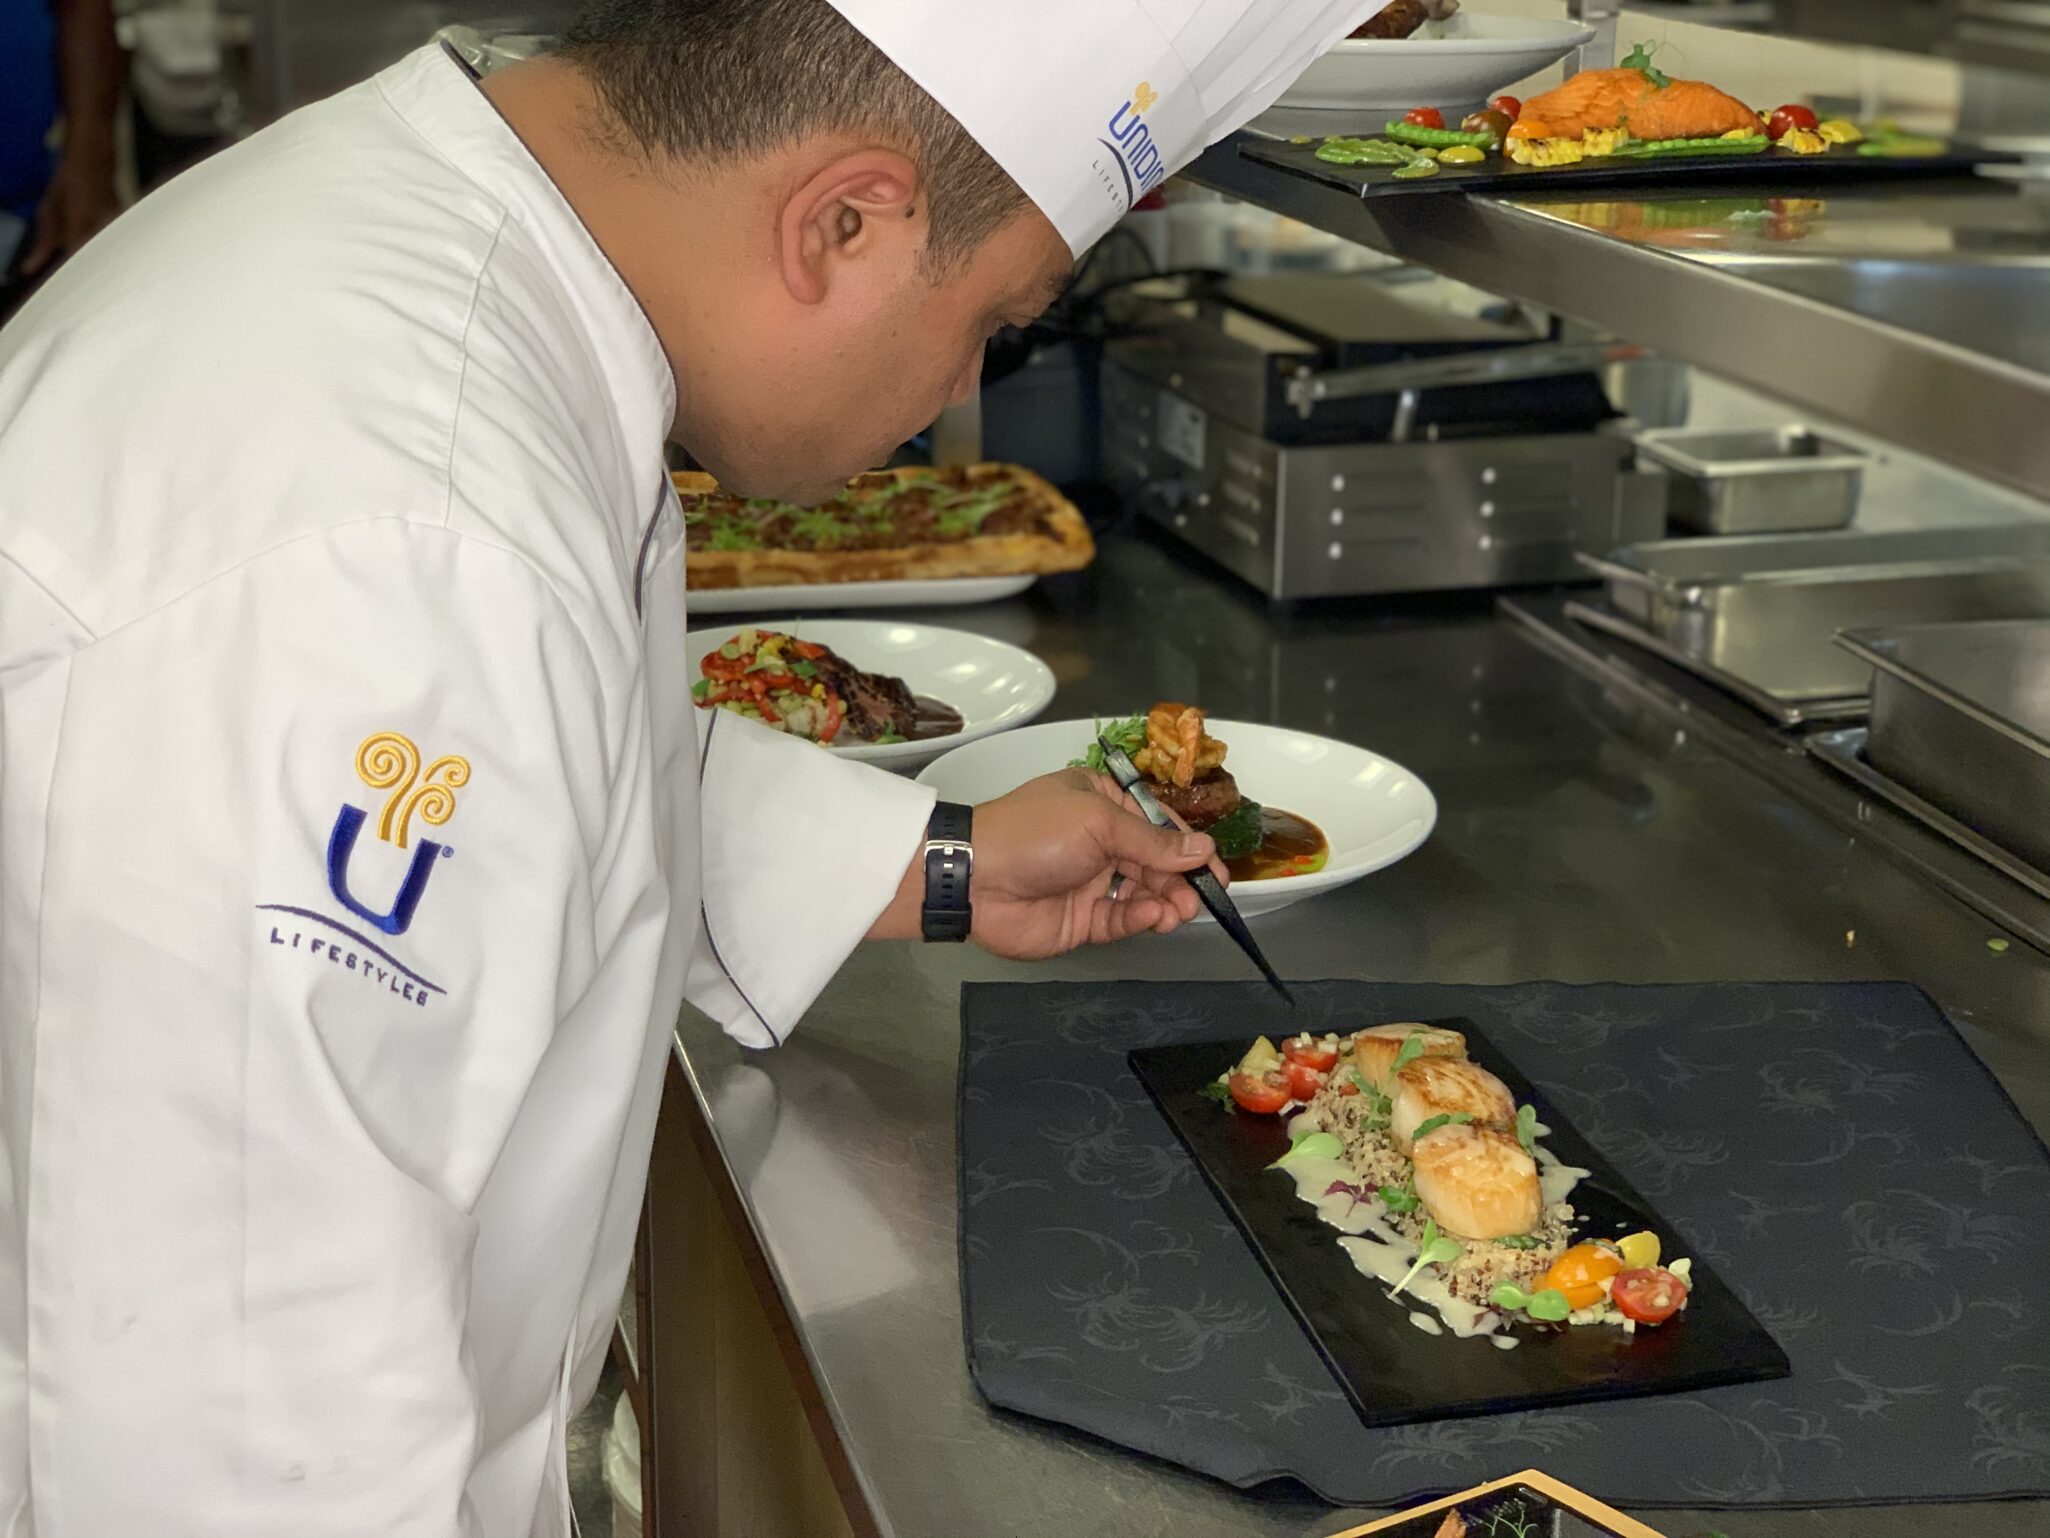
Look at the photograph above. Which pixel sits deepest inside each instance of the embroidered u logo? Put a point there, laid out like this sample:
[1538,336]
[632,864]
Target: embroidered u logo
[341,844]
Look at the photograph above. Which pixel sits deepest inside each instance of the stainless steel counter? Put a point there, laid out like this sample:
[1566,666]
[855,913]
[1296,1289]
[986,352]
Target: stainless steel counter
[1581,838]
[1919,312]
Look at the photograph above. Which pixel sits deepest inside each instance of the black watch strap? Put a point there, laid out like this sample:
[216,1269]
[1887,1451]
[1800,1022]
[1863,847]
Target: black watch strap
[949,862]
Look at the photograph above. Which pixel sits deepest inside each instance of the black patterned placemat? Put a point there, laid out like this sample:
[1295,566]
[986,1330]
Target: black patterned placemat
[1835,1150]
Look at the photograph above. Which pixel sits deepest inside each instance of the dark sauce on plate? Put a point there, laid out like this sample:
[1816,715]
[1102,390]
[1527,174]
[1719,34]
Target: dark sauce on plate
[1289,846]
[933,720]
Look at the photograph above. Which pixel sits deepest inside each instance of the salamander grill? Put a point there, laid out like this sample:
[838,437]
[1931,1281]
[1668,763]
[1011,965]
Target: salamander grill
[1322,435]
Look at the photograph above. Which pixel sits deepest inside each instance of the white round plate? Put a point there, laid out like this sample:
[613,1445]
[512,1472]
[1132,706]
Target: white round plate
[1371,809]
[916,593]
[993,684]
[1469,59]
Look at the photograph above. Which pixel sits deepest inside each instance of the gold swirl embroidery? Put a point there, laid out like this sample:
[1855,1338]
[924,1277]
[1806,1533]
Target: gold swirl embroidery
[434,799]
[387,761]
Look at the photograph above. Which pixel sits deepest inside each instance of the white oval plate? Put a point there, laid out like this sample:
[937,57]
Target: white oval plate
[1473,58]
[993,684]
[908,593]
[1371,809]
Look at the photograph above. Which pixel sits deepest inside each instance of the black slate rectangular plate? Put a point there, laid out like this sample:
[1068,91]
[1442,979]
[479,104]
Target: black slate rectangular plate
[1773,167]
[1395,1373]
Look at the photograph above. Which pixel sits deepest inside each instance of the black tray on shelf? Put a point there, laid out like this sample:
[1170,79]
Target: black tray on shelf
[1394,1372]
[1772,167]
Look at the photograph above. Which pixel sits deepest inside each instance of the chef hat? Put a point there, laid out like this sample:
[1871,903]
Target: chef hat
[1090,104]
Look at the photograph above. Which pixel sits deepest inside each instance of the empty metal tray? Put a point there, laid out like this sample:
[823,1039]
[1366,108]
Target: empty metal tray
[1756,481]
[1766,608]
[1961,717]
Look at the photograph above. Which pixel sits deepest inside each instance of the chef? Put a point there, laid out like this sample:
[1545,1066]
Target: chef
[358,842]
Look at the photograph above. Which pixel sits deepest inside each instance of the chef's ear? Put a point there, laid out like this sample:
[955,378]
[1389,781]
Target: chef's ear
[867,204]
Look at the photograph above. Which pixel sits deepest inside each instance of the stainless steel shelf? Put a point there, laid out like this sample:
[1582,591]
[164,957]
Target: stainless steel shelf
[1918,314]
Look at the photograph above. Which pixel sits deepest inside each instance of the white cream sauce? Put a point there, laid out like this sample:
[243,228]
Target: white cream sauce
[1506,1342]
[1555,1180]
[1426,1323]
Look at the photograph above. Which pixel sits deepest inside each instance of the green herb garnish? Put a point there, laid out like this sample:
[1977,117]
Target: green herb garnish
[1550,1305]
[820,527]
[700,689]
[1639,59]
[804,669]
[1311,1145]
[1238,832]
[1217,1090]
[1526,1128]
[1431,1124]
[889,733]
[734,536]
[1411,1049]
[1129,734]
[1436,1250]
[1399,1198]
[1519,1241]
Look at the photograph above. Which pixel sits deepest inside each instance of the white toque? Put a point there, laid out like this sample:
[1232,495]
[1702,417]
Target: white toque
[1090,104]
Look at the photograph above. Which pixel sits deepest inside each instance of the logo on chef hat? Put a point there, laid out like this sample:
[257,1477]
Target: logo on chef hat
[1138,159]
[391,763]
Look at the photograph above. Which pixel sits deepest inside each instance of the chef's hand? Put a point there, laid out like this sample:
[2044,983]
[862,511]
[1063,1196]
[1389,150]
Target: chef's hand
[1046,859]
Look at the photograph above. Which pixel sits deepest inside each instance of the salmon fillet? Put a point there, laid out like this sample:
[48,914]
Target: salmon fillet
[1626,98]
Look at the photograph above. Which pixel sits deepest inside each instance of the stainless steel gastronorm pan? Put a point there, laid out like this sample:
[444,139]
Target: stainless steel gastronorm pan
[1756,480]
[1961,717]
[1767,608]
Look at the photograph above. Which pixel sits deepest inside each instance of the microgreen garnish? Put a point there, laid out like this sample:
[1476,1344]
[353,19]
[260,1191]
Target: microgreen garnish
[700,689]
[1411,1049]
[1349,1189]
[1311,1145]
[1216,1090]
[1435,1250]
[805,669]
[1549,1305]
[1526,1127]
[1378,1108]
[1400,1198]
[1519,1241]
[1129,734]
[1431,1124]
[1639,59]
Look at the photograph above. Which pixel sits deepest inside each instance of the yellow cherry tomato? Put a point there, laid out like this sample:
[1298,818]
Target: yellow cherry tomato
[1461,155]
[1640,1251]
[1580,1272]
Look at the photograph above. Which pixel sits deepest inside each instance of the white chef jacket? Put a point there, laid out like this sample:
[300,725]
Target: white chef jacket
[357,838]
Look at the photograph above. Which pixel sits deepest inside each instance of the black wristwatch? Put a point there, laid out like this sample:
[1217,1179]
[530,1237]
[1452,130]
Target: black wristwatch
[949,861]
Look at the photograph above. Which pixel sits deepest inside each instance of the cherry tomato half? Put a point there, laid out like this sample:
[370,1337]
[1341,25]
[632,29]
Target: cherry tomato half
[1508,106]
[1492,123]
[1580,1272]
[1303,1080]
[1651,1295]
[1424,117]
[1311,1052]
[1785,120]
[1263,1096]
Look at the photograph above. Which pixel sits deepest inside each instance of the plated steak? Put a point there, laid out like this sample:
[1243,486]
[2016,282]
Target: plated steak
[876,703]
[1201,802]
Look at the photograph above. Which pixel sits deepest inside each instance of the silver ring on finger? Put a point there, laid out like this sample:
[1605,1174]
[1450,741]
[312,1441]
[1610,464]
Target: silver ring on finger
[1117,885]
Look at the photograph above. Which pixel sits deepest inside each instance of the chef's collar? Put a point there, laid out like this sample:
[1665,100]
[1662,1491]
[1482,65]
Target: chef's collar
[435,90]
[1090,104]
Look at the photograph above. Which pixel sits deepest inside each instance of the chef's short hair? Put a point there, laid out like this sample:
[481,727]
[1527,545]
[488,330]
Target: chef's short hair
[704,80]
